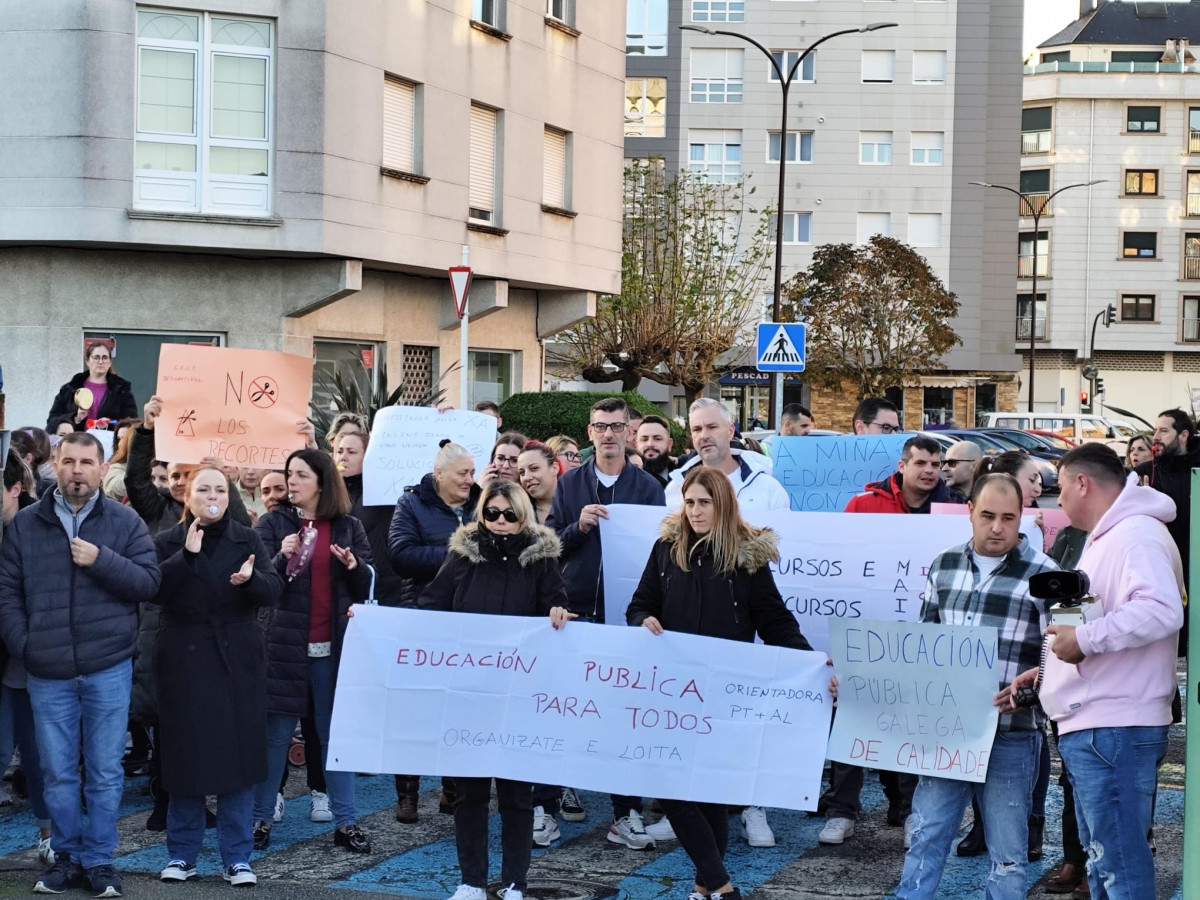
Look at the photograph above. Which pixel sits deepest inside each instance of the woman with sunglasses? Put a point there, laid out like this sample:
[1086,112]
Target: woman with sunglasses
[504,563]
[567,450]
[323,555]
[708,575]
[108,396]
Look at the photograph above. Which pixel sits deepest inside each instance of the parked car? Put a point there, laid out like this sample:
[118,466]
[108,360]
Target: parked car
[1036,444]
[1079,427]
[994,444]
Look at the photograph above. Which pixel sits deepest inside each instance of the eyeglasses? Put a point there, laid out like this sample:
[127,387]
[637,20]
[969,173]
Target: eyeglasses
[505,460]
[572,455]
[492,513]
[614,427]
[888,429]
[100,358]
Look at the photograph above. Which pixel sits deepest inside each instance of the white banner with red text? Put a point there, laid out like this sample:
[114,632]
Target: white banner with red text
[615,710]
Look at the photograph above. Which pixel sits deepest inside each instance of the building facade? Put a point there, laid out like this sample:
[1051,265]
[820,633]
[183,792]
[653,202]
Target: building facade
[298,176]
[1114,97]
[885,132]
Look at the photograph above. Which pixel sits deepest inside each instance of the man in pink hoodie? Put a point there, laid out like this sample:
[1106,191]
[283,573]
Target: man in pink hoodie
[1109,682]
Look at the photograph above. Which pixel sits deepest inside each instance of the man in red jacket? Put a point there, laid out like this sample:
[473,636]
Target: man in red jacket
[916,484]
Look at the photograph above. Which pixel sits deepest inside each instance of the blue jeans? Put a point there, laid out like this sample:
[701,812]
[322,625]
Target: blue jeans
[279,737]
[92,709]
[1114,772]
[938,806]
[235,827]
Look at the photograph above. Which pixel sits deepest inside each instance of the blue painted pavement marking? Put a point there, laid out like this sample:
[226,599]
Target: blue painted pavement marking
[20,831]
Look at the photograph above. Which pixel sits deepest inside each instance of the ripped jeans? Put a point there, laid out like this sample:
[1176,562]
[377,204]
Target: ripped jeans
[1005,798]
[1114,772]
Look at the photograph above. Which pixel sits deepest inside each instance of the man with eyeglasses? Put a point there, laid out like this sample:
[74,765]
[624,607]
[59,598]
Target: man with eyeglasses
[874,415]
[958,468]
[580,502]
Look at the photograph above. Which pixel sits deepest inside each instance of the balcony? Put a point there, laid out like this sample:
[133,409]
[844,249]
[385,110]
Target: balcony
[1191,268]
[1033,204]
[1025,266]
[1193,204]
[1193,141]
[1036,142]
[1149,68]
[1023,329]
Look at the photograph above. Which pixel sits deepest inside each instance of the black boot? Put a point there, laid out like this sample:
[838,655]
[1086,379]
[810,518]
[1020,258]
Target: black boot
[1037,825]
[974,844]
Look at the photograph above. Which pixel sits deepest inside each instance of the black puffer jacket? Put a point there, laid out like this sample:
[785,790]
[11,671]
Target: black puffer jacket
[287,630]
[483,575]
[118,402]
[421,528]
[376,521]
[65,620]
[701,601]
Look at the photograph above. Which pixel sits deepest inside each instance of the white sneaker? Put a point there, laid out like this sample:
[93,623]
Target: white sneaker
[240,875]
[836,830]
[510,893]
[177,870]
[758,832]
[661,830]
[628,830]
[466,892]
[910,827]
[545,829]
[45,852]
[320,808]
[280,803]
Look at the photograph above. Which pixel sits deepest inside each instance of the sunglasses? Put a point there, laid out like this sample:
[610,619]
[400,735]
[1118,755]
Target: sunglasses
[492,513]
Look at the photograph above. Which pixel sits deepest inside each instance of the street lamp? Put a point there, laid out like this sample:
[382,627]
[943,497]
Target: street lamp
[785,83]
[1031,208]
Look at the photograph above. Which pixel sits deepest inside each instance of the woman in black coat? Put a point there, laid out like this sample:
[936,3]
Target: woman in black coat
[112,396]
[708,575]
[504,563]
[323,554]
[210,664]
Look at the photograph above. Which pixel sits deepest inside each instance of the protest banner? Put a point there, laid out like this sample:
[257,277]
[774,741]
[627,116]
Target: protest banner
[606,709]
[405,439]
[822,474]
[240,406]
[105,437]
[915,697]
[1028,520]
[849,565]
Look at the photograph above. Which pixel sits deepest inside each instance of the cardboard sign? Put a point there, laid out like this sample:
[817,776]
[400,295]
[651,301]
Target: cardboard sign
[915,697]
[240,406]
[606,709]
[405,440]
[823,474]
[845,565]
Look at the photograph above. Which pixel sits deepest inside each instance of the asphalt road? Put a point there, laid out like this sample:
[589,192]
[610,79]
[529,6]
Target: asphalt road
[419,861]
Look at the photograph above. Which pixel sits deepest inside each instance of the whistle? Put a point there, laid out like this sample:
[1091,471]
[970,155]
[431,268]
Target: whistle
[214,510]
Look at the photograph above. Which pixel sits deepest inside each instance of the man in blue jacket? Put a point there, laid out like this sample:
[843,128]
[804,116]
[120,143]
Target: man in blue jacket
[73,568]
[580,502]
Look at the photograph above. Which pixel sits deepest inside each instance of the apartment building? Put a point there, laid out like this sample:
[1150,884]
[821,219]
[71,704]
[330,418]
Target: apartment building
[298,175]
[885,132]
[1114,97]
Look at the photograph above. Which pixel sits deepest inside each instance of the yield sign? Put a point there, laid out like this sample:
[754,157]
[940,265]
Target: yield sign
[460,284]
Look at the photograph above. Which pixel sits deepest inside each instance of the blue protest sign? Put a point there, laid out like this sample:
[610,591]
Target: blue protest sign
[824,473]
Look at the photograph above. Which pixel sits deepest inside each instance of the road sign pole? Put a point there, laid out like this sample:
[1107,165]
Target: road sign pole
[777,382]
[460,287]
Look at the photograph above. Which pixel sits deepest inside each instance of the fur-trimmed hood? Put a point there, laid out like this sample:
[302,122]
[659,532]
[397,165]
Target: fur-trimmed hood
[753,554]
[542,544]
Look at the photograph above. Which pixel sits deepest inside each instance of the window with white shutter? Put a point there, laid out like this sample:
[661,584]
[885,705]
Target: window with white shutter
[483,164]
[399,125]
[925,229]
[554,169]
[929,67]
[878,66]
[873,223]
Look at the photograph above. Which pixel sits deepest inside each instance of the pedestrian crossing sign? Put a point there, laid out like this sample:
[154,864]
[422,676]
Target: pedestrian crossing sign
[780,347]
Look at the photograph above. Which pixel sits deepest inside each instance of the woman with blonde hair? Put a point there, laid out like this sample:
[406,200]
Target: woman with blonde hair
[503,563]
[708,575]
[566,449]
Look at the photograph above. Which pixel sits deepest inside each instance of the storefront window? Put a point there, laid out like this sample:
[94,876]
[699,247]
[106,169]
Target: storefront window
[490,376]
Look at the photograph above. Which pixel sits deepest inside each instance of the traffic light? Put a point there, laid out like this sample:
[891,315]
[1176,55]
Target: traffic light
[1110,316]
[1083,398]
[1099,385]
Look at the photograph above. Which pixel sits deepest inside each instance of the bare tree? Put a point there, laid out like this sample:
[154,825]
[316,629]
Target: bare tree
[691,284]
[877,314]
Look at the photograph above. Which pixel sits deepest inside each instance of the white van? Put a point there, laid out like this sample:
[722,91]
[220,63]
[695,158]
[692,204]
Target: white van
[1078,427]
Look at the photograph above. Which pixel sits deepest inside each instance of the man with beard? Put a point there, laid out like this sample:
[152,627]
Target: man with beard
[1176,453]
[654,444]
[73,568]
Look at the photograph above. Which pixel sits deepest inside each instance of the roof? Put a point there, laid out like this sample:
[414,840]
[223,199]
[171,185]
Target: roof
[1132,23]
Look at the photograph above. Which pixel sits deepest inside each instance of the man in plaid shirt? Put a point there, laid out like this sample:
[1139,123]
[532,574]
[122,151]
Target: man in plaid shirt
[986,582]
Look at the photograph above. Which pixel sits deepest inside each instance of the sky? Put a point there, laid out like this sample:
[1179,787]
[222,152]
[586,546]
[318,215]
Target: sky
[1044,18]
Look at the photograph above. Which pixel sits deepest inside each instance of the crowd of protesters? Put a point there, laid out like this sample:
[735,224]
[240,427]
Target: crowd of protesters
[195,614]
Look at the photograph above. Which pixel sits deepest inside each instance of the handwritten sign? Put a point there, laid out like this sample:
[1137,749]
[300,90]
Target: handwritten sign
[915,698]
[405,439]
[823,474]
[607,709]
[844,565]
[241,406]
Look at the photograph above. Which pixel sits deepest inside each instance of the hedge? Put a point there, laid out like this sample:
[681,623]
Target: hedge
[542,414]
